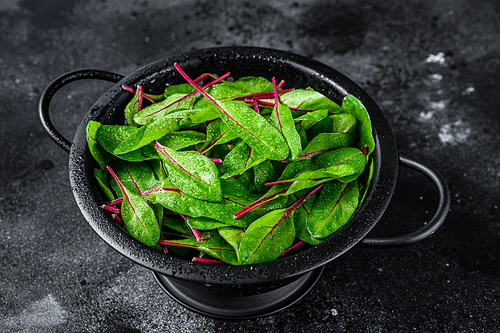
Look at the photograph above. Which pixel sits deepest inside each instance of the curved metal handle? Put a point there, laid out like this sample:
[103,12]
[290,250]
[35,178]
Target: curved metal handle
[54,86]
[434,223]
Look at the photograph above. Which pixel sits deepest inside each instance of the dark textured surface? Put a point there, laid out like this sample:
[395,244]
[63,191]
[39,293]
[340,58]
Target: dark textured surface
[432,66]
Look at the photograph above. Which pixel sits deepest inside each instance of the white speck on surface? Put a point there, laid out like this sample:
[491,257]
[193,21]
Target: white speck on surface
[440,105]
[454,133]
[44,313]
[468,91]
[334,312]
[436,77]
[426,115]
[433,108]
[436,58]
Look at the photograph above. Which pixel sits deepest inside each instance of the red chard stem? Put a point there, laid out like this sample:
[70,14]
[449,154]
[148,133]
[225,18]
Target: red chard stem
[256,204]
[115,202]
[118,220]
[208,261]
[111,209]
[292,248]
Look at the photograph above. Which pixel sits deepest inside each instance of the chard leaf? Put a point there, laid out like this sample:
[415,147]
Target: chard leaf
[232,235]
[174,102]
[167,195]
[282,119]
[182,139]
[246,179]
[344,164]
[134,106]
[147,134]
[251,84]
[182,89]
[139,218]
[101,156]
[217,133]
[336,123]
[110,137]
[213,245]
[247,124]
[158,170]
[103,184]
[300,219]
[224,90]
[191,172]
[354,106]
[173,140]
[343,123]
[254,130]
[241,158]
[311,118]
[334,207]
[309,99]
[335,161]
[204,223]
[266,238]
[266,172]
[205,114]
[136,177]
[327,141]
[124,139]
[303,135]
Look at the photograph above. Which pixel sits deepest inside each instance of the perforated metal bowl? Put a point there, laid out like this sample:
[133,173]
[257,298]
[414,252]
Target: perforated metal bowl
[236,292]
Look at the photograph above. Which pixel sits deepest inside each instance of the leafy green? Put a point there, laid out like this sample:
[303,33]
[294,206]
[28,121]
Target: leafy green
[243,172]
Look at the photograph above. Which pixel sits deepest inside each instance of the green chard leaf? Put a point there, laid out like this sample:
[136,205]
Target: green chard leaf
[153,112]
[266,238]
[233,235]
[212,244]
[282,119]
[251,84]
[327,141]
[308,99]
[101,156]
[204,223]
[354,106]
[266,172]
[333,208]
[136,177]
[300,219]
[139,218]
[241,158]
[103,184]
[217,133]
[124,139]
[254,130]
[202,116]
[336,123]
[311,118]
[191,172]
[248,125]
[134,106]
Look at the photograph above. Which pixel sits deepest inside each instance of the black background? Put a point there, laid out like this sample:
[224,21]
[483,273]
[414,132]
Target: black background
[432,66]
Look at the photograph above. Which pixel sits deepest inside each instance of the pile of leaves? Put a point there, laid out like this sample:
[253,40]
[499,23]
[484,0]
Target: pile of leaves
[233,171]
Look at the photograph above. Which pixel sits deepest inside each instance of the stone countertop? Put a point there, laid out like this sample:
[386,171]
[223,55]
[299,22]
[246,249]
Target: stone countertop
[433,66]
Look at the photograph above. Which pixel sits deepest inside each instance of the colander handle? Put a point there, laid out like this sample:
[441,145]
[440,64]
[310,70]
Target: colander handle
[54,86]
[431,226]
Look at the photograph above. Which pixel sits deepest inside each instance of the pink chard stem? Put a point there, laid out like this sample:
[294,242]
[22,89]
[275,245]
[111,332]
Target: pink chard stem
[208,261]
[111,209]
[292,248]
